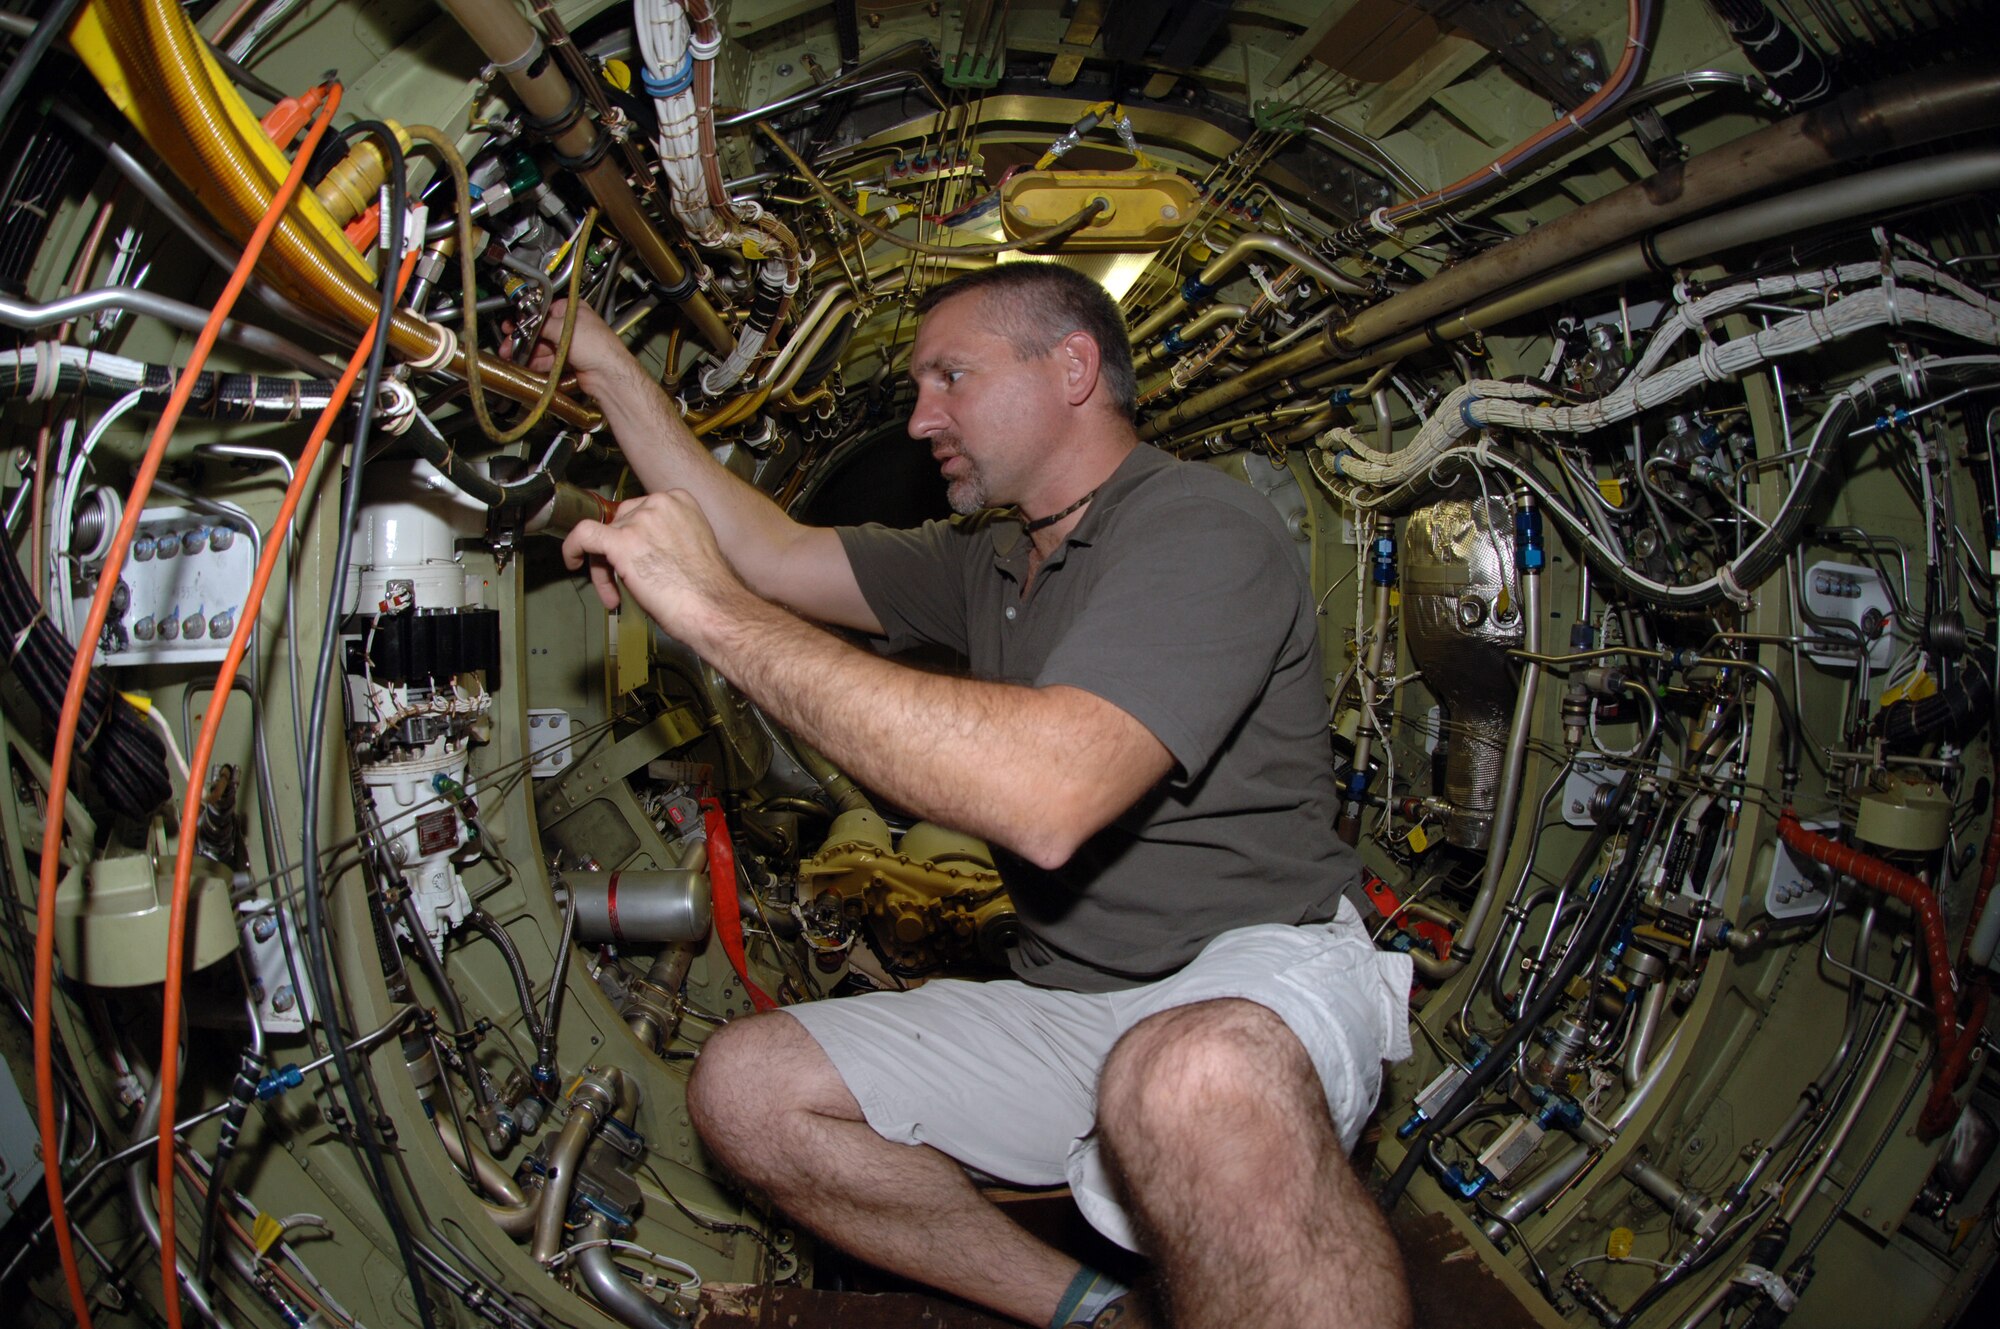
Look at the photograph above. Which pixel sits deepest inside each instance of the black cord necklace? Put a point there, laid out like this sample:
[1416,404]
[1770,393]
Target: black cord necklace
[1043,523]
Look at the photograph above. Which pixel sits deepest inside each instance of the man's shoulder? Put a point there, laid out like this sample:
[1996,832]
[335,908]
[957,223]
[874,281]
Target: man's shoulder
[1199,496]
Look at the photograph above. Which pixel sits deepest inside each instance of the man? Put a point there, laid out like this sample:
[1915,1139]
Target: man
[1143,740]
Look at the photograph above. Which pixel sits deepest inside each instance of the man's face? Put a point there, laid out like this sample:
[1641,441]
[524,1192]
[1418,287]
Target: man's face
[985,412]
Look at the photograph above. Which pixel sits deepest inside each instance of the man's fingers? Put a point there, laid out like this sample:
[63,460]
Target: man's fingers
[606,582]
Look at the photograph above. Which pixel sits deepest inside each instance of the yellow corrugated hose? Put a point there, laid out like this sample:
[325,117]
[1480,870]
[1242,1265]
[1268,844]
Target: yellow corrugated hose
[157,70]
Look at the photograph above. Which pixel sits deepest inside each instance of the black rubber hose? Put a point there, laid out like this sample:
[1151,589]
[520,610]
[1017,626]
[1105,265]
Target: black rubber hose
[1951,712]
[39,41]
[317,948]
[127,759]
[524,989]
[1610,907]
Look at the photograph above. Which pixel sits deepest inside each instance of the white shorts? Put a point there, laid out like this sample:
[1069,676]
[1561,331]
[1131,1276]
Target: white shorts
[1002,1076]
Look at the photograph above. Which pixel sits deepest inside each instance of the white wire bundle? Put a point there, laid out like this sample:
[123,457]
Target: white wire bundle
[666,43]
[49,358]
[1897,299]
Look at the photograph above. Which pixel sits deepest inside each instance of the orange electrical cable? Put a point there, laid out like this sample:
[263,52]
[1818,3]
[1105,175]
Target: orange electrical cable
[66,727]
[204,748]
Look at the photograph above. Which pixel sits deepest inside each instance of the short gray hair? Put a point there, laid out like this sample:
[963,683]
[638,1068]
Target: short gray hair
[1035,305]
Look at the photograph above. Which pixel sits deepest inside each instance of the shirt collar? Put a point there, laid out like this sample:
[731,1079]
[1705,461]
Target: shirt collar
[1011,543]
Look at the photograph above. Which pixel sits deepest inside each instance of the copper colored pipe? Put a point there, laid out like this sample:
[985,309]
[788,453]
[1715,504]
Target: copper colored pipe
[546,93]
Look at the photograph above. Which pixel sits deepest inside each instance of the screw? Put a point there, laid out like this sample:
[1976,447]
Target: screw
[784,71]
[263,929]
[283,1000]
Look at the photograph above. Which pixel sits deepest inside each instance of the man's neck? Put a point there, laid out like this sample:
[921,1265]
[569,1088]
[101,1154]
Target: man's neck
[1078,482]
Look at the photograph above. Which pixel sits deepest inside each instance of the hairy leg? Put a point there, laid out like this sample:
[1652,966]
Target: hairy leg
[1217,1129]
[771,1107]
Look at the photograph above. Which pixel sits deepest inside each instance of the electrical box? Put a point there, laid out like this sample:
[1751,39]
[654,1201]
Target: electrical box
[183,585]
[1853,595]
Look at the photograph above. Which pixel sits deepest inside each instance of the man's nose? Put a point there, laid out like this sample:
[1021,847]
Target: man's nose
[925,417]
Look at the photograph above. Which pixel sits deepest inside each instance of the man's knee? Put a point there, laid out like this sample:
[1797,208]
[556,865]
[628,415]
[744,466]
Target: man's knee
[756,1074]
[1194,1068]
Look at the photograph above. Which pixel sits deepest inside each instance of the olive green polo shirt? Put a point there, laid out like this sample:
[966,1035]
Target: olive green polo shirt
[1180,599]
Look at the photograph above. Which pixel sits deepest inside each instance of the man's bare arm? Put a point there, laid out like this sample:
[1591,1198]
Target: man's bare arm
[1035,770]
[802,566]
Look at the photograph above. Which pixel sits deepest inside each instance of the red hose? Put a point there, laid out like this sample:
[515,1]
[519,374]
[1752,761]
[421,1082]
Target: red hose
[728,917]
[1955,1041]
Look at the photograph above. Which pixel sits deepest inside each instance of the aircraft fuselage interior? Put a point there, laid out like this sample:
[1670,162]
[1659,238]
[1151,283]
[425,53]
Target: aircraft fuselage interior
[1627,373]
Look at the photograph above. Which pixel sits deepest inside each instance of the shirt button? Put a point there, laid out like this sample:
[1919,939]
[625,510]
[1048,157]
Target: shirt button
[1010,611]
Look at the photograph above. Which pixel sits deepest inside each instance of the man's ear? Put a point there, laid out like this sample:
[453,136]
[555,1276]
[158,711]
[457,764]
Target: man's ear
[1080,361]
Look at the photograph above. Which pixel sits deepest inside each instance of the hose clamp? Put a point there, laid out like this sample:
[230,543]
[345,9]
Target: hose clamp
[553,125]
[589,157]
[395,406]
[535,51]
[441,353]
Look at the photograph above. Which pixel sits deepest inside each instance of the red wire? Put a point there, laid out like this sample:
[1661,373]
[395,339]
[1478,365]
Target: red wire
[65,748]
[204,748]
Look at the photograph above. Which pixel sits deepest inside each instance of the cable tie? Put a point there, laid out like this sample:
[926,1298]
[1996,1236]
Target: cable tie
[441,354]
[21,637]
[1465,412]
[704,49]
[1379,219]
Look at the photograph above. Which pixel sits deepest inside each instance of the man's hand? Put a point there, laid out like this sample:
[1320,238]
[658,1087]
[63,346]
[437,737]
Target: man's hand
[596,356]
[661,549]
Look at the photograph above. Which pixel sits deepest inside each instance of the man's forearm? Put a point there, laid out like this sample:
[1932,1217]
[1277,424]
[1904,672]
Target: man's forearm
[962,752]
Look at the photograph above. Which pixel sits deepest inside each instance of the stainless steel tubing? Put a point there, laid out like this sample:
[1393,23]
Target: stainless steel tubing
[1900,113]
[858,88]
[506,1203]
[1508,801]
[1648,1023]
[1801,1192]
[611,1290]
[1591,1139]
[204,236]
[595,1099]
[138,1186]
[174,313]
[1198,326]
[1241,248]
[1263,242]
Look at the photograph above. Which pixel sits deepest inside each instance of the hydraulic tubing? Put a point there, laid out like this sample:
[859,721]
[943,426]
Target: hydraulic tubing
[174,313]
[523,987]
[1240,249]
[506,1203]
[597,1097]
[1604,914]
[611,1290]
[1508,800]
[1897,114]
[548,96]
[1953,1040]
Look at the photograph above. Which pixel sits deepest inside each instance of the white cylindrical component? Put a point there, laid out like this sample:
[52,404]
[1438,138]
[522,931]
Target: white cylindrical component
[423,830]
[652,906]
[1986,932]
[410,529]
